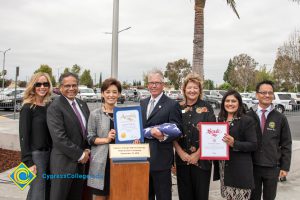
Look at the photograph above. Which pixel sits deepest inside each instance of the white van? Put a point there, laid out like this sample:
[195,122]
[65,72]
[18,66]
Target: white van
[86,94]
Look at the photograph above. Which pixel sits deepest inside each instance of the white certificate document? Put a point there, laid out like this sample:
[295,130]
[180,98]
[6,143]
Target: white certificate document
[128,124]
[211,145]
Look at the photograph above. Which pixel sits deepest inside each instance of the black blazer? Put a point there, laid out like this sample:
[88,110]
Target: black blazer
[165,111]
[66,133]
[239,168]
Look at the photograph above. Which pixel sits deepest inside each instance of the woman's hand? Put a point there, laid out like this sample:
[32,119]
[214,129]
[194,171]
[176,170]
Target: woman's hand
[33,169]
[184,156]
[228,140]
[194,157]
[136,142]
[111,135]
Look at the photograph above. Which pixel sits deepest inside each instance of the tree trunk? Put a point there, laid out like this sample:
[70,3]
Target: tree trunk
[198,49]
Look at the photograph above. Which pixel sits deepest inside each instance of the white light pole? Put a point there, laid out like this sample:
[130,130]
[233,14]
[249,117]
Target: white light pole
[114,48]
[4,52]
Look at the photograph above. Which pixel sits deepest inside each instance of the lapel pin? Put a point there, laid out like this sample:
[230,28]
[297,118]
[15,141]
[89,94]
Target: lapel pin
[159,106]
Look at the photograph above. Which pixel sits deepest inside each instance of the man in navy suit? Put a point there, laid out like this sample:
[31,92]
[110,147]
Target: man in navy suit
[156,110]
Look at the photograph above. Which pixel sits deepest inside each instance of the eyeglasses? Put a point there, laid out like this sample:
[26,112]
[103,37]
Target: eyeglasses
[45,84]
[265,93]
[154,83]
[69,86]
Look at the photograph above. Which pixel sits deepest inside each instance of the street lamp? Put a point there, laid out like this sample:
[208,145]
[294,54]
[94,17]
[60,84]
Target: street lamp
[115,37]
[3,74]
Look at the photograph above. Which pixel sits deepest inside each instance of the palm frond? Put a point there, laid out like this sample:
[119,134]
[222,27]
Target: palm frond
[231,3]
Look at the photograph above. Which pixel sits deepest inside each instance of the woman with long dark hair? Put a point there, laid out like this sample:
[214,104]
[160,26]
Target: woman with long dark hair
[236,174]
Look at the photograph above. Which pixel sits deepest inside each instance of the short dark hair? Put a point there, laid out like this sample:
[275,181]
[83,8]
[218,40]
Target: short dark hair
[111,81]
[67,74]
[241,110]
[267,82]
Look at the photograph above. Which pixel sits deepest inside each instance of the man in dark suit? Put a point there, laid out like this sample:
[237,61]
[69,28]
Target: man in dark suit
[67,120]
[156,110]
[272,159]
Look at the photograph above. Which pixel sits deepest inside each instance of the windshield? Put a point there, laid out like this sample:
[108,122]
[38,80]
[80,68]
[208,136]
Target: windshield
[284,96]
[87,90]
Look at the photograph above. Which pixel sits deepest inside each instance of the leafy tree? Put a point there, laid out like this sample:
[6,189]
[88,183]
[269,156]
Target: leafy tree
[100,80]
[176,71]
[209,84]
[198,48]
[22,83]
[225,86]
[263,74]
[7,82]
[48,70]
[76,69]
[228,71]
[243,75]
[287,64]
[125,85]
[67,69]
[145,79]
[86,79]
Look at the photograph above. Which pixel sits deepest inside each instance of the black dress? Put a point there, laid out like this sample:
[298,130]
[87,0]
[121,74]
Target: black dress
[193,180]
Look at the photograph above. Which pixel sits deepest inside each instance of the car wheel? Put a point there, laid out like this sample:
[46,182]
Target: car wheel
[18,106]
[280,108]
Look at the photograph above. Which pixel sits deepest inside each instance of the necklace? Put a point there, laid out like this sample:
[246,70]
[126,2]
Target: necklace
[106,113]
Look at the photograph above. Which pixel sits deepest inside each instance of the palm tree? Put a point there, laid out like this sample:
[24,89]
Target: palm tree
[198,49]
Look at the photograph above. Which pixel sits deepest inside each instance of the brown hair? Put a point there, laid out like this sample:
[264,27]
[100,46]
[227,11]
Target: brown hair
[111,81]
[195,78]
[29,94]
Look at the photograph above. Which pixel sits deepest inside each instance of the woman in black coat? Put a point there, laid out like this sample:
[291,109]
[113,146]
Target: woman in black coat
[193,174]
[236,174]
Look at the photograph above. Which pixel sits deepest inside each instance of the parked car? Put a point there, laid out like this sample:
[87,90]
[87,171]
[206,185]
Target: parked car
[121,98]
[213,102]
[7,99]
[143,94]
[282,101]
[86,94]
[174,94]
[98,93]
[296,96]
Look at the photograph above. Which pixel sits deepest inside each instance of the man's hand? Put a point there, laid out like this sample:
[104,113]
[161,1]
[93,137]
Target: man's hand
[156,134]
[86,156]
[33,169]
[283,173]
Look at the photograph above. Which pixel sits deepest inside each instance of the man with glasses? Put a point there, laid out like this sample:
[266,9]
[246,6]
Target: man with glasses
[272,158]
[156,110]
[67,121]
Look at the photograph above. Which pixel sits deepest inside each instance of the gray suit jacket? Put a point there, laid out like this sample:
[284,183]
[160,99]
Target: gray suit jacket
[68,140]
[98,126]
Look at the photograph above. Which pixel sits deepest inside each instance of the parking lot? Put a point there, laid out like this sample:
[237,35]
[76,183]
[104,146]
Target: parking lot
[293,116]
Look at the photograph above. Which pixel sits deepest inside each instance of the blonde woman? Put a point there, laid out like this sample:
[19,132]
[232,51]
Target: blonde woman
[35,139]
[193,175]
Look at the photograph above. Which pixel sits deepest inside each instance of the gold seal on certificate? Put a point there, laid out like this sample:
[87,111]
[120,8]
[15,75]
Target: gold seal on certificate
[211,145]
[128,124]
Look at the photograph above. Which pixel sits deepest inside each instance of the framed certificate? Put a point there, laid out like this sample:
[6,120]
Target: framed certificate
[128,124]
[211,145]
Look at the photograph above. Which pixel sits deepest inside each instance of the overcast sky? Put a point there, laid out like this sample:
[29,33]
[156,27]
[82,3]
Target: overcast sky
[61,33]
